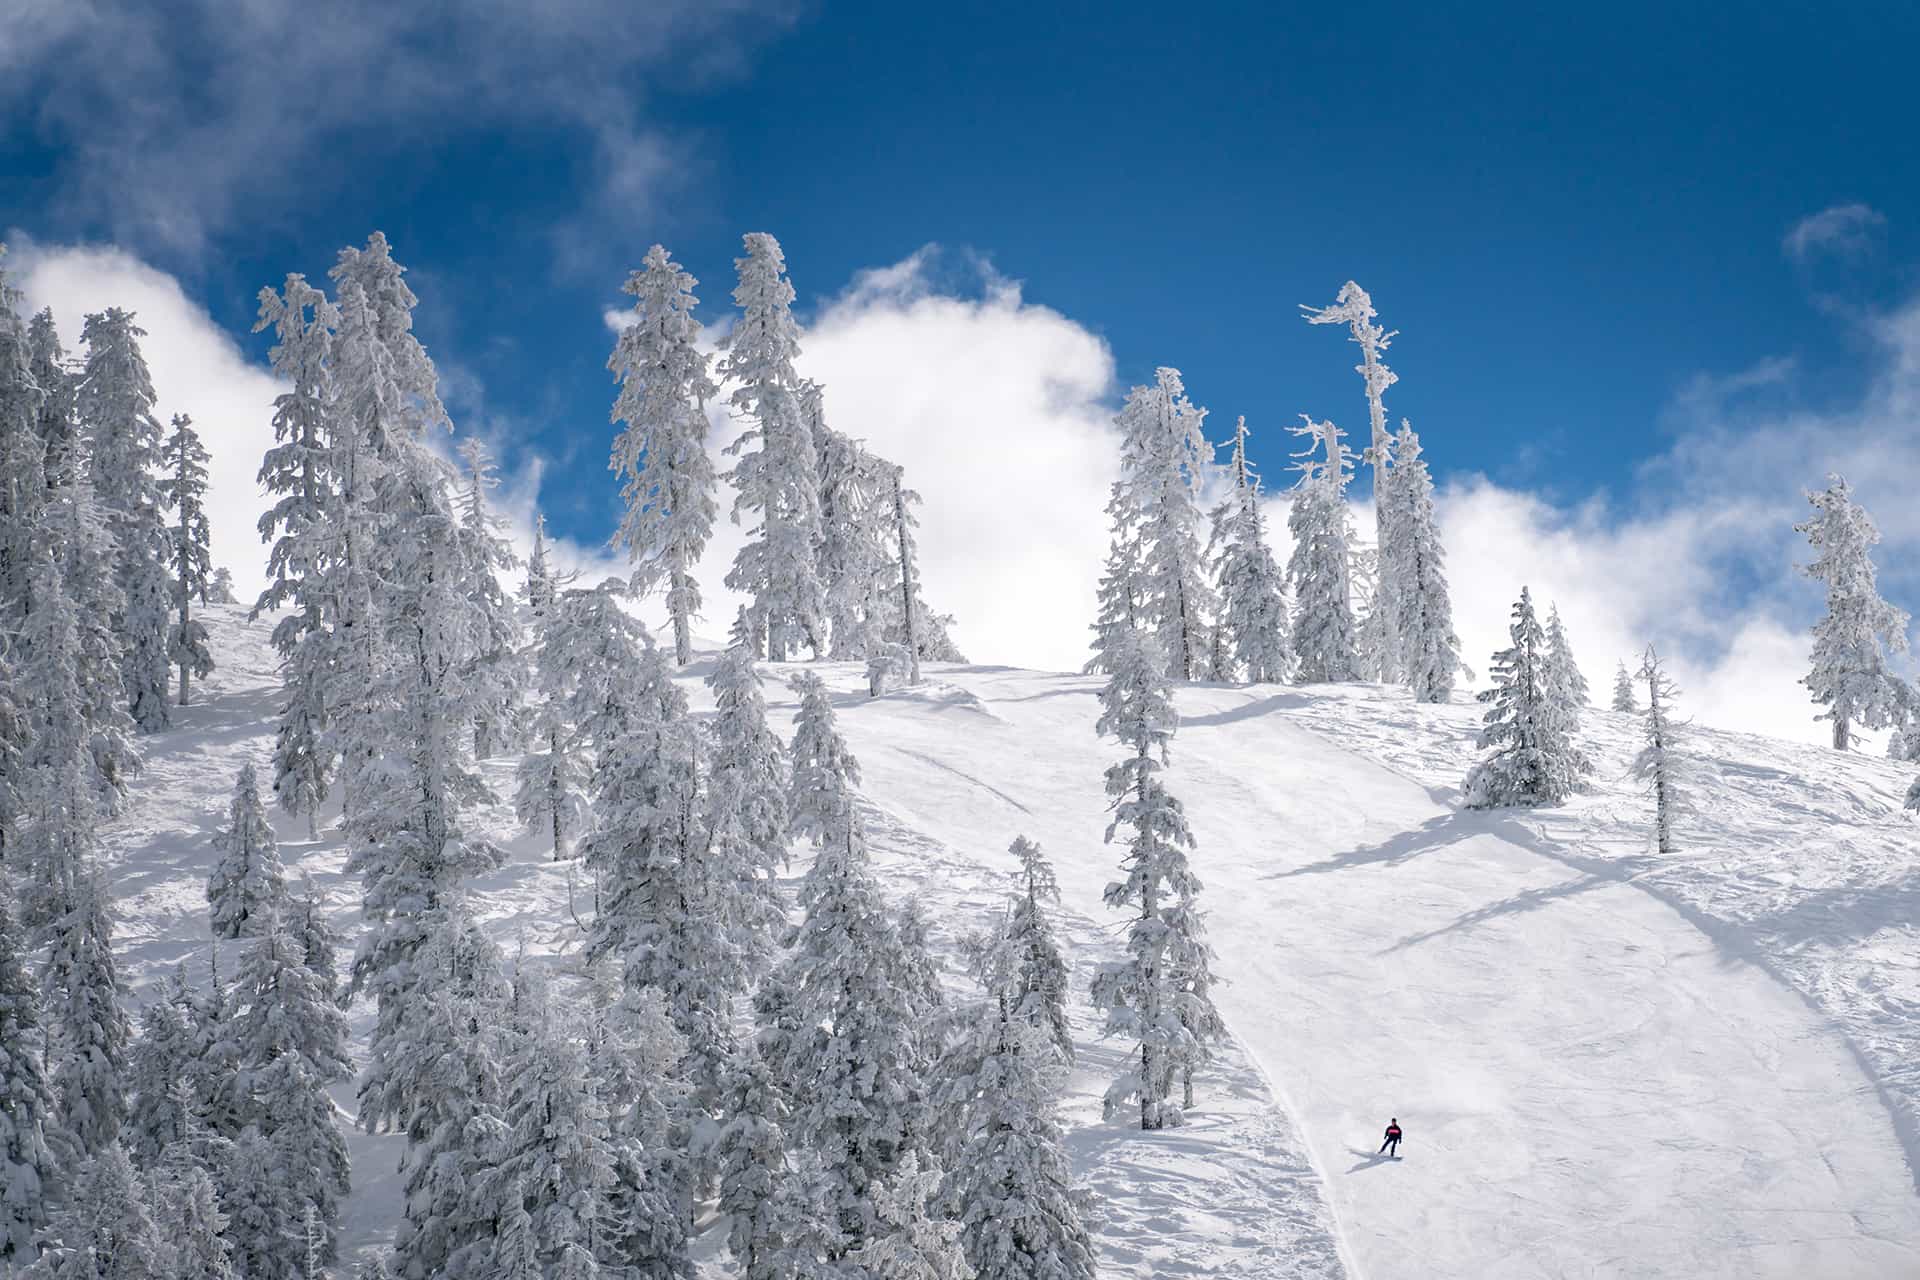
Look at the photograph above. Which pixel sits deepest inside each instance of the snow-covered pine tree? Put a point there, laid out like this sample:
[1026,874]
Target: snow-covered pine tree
[163,1075]
[537,591]
[48,364]
[666,477]
[636,1054]
[220,587]
[27,1105]
[824,770]
[23,455]
[286,1041]
[1022,1216]
[406,835]
[1849,676]
[551,779]
[184,490]
[911,1240]
[1038,971]
[57,798]
[1904,742]
[1658,765]
[263,1212]
[1164,458]
[555,1159]
[1254,634]
[88,1049]
[1565,684]
[306,536]
[499,670]
[1413,577]
[778,481]
[1378,645]
[1324,643]
[601,648]
[856,1078]
[76,541]
[193,1224]
[446,1089]
[749,1156]
[1623,695]
[851,558]
[746,815]
[921,632]
[1156,997]
[1534,760]
[248,884]
[115,406]
[105,1229]
[1118,602]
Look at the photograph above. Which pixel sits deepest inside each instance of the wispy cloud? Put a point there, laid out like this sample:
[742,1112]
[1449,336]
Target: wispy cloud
[176,121]
[1844,231]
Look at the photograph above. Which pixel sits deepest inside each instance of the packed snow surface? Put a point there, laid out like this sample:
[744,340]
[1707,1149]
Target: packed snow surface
[1607,1063]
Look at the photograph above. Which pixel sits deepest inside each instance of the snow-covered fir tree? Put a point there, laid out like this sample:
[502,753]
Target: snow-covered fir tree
[853,519]
[1157,997]
[824,771]
[1164,458]
[666,476]
[23,455]
[77,542]
[1254,636]
[777,475]
[1534,760]
[1378,645]
[538,588]
[106,1229]
[746,816]
[247,886]
[165,1075]
[550,794]
[749,1156]
[1566,686]
[555,1160]
[263,1212]
[286,1041]
[916,628]
[637,1057]
[1413,578]
[1624,698]
[913,1243]
[1849,676]
[184,491]
[1118,603]
[599,648]
[1659,766]
[114,402]
[57,795]
[499,669]
[27,1105]
[87,1053]
[306,531]
[192,1224]
[220,586]
[51,374]
[1324,643]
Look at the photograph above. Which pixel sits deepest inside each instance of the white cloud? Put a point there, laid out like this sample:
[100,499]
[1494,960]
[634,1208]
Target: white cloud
[1843,231]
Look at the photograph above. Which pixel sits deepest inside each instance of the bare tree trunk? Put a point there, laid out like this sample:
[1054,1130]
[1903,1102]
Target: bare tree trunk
[682,625]
[1841,739]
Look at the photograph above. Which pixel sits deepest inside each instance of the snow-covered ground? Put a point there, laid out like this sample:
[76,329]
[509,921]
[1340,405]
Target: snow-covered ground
[1607,1063]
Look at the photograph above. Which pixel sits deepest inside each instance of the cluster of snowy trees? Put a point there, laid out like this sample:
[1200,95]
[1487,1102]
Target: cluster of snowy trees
[829,560]
[1220,608]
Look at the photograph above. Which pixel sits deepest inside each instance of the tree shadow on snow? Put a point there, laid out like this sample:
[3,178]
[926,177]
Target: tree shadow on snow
[1434,833]
[1278,702]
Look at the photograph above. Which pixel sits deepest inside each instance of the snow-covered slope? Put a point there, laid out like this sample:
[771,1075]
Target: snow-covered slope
[1607,1063]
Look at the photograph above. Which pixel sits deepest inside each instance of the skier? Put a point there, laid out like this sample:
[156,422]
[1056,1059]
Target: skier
[1393,1138]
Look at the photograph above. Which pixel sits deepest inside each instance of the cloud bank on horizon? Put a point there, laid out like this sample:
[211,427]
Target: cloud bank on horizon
[1001,411]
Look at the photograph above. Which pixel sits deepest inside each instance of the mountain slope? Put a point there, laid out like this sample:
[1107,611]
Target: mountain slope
[1605,1063]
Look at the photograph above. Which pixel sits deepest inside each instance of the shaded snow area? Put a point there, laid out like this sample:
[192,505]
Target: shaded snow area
[1607,1062]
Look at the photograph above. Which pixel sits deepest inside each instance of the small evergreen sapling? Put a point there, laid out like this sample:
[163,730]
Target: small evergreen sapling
[248,884]
[1849,676]
[1623,695]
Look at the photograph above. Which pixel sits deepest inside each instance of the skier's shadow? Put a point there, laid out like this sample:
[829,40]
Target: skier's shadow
[1368,1159]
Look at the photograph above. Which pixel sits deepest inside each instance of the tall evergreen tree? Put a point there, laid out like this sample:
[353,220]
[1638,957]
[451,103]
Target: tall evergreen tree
[1319,570]
[750,1158]
[1119,604]
[106,1229]
[115,406]
[824,770]
[1165,456]
[551,778]
[1413,578]
[26,1102]
[58,430]
[1534,760]
[1156,997]
[247,887]
[306,530]
[1379,644]
[23,455]
[661,456]
[77,543]
[58,795]
[1658,765]
[1566,685]
[1849,676]
[854,516]
[1623,695]
[499,668]
[88,1054]
[746,815]
[1254,636]
[917,629]
[777,476]
[184,490]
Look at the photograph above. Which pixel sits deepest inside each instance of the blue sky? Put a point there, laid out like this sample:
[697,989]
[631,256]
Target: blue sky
[1582,219]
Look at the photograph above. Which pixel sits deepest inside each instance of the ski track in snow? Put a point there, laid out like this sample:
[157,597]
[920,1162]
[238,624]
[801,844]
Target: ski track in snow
[1607,1063]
